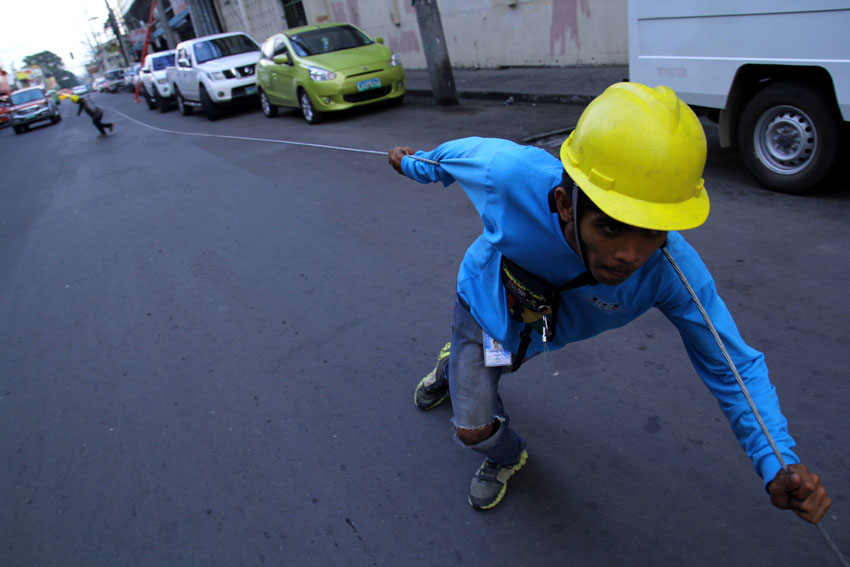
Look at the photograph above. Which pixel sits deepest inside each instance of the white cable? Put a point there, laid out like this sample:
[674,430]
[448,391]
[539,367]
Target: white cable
[265,140]
[841,557]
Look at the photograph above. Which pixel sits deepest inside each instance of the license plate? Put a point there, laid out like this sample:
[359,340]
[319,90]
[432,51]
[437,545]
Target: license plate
[369,84]
[252,89]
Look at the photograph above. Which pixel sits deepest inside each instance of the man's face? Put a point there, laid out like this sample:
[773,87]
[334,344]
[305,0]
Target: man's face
[613,251]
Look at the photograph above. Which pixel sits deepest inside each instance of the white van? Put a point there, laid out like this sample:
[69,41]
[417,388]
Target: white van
[774,74]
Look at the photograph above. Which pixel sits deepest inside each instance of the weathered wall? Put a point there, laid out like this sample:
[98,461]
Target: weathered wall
[494,33]
[258,18]
[479,33]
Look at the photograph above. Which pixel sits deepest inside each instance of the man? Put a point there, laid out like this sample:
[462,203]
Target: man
[577,247]
[94,111]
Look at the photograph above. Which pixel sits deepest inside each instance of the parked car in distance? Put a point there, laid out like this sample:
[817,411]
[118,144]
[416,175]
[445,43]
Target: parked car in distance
[131,77]
[80,90]
[32,105]
[327,67]
[154,80]
[214,71]
[114,81]
[99,84]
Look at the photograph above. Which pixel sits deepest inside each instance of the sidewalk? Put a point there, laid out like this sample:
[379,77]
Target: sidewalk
[525,84]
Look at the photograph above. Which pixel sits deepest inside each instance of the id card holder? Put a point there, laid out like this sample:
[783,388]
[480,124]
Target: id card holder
[494,353]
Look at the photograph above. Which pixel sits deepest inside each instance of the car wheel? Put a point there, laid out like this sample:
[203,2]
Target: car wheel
[17,129]
[789,136]
[149,99]
[211,109]
[311,115]
[397,101]
[269,109]
[184,108]
[161,103]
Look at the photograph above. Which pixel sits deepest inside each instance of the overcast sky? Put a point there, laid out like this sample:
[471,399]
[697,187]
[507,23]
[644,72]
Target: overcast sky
[32,26]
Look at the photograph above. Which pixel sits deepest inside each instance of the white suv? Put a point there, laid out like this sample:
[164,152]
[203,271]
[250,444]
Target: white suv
[213,71]
[155,86]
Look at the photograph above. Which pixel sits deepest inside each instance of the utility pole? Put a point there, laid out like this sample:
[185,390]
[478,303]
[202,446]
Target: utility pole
[166,27]
[436,51]
[113,23]
[202,21]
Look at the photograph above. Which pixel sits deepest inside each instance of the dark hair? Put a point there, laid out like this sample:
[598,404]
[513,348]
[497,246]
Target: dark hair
[583,202]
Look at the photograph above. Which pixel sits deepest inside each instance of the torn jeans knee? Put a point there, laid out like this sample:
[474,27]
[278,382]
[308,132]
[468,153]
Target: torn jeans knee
[503,447]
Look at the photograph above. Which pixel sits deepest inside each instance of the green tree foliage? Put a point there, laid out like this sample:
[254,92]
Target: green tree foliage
[52,66]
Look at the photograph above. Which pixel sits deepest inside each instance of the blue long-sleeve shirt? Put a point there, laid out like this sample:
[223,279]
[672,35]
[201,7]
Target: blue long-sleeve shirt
[509,185]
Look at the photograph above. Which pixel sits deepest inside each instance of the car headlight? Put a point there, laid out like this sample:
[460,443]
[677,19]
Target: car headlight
[394,62]
[319,74]
[162,81]
[215,75]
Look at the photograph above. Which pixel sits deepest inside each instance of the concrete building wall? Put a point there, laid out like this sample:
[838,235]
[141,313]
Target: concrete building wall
[479,33]
[495,33]
[258,18]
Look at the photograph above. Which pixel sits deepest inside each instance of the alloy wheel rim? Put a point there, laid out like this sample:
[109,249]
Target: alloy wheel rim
[306,107]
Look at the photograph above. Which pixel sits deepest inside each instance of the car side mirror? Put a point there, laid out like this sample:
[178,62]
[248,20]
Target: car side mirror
[282,59]
[380,40]
[183,62]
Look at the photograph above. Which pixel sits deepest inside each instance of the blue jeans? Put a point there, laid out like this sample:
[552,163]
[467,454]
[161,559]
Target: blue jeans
[474,391]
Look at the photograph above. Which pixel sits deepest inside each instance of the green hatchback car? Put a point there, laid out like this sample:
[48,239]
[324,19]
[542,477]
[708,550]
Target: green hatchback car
[327,67]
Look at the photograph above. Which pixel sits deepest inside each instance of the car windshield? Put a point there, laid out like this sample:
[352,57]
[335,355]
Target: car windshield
[325,40]
[223,47]
[115,74]
[160,63]
[26,96]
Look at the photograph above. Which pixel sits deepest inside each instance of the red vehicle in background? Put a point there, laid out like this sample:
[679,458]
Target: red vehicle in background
[4,111]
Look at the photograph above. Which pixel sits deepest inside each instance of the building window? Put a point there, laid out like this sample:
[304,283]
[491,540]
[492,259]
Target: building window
[293,11]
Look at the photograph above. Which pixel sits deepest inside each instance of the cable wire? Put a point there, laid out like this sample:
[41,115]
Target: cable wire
[838,553]
[841,557]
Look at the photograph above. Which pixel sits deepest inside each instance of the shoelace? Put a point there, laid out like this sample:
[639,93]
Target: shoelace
[488,472]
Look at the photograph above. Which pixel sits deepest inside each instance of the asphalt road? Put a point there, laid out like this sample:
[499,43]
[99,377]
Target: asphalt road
[209,349]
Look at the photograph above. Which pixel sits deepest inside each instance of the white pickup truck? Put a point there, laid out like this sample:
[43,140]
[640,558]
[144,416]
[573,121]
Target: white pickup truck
[154,80]
[214,71]
[774,75]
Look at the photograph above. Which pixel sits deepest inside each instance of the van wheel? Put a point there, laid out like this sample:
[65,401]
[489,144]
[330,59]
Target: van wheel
[789,137]
[211,109]
[311,115]
[269,109]
[184,108]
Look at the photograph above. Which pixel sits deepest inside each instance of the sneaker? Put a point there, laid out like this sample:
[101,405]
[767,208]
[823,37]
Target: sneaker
[434,388]
[490,483]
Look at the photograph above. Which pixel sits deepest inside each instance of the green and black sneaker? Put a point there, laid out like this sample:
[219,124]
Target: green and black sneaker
[490,483]
[434,388]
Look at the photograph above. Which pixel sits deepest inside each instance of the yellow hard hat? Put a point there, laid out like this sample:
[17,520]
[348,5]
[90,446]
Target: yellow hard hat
[638,153]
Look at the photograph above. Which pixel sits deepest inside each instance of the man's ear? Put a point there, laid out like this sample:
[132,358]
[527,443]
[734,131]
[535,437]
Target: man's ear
[564,202]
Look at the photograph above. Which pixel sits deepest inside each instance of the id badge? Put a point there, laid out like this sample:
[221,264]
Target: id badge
[494,353]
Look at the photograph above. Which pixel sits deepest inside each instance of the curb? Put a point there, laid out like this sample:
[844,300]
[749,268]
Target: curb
[517,97]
